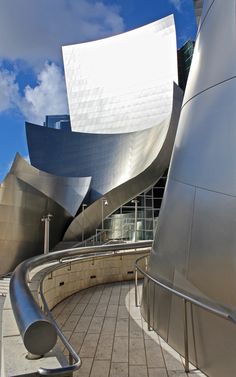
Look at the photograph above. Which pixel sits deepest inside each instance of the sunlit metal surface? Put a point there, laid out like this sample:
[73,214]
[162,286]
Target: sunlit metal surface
[122,83]
[121,165]
[195,244]
[26,195]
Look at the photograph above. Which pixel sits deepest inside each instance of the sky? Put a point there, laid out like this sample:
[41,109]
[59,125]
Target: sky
[32,32]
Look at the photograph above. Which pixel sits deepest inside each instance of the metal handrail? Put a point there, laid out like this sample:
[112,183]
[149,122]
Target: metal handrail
[30,317]
[186,299]
[72,353]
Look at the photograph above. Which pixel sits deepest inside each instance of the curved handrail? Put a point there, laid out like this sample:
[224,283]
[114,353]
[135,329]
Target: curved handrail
[213,309]
[186,299]
[31,320]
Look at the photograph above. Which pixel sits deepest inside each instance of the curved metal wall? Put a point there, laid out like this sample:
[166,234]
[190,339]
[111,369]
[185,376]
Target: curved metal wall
[152,158]
[110,159]
[26,195]
[195,244]
[123,83]
[121,165]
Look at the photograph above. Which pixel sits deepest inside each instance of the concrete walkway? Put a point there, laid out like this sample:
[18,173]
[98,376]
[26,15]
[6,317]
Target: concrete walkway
[108,332]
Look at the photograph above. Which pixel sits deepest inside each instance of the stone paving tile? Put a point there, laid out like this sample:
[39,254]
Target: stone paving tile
[119,370]
[135,328]
[112,310]
[122,327]
[85,368]
[137,354]
[83,324]
[96,325]
[76,340]
[109,325]
[138,371]
[122,312]
[89,346]
[70,323]
[157,372]
[154,354]
[120,350]
[104,348]
[112,338]
[100,368]
[101,310]
[90,309]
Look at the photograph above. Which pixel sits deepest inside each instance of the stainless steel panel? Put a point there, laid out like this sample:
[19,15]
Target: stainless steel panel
[214,57]
[203,163]
[204,153]
[122,83]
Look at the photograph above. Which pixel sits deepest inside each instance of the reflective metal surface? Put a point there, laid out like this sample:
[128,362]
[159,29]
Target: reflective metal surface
[151,155]
[121,165]
[26,195]
[195,244]
[122,83]
[186,299]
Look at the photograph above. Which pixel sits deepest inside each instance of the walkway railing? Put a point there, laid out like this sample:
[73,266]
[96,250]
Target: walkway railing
[186,299]
[39,330]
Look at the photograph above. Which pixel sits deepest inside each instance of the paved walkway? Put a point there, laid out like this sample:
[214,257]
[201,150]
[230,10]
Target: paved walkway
[109,334]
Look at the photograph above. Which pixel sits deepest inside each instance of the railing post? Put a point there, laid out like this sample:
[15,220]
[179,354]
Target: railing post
[70,359]
[136,286]
[148,305]
[186,353]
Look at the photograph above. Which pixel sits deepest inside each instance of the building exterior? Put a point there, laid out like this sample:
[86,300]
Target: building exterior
[59,122]
[124,115]
[185,54]
[26,195]
[122,83]
[194,249]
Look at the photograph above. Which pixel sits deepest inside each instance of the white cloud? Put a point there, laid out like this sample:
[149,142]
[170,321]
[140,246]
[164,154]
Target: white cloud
[47,97]
[177,4]
[35,30]
[9,90]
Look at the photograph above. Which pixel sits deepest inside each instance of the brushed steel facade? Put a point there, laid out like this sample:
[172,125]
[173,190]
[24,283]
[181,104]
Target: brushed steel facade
[26,195]
[121,165]
[123,83]
[195,244]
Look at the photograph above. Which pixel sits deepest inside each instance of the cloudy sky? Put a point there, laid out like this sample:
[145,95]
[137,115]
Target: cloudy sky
[31,35]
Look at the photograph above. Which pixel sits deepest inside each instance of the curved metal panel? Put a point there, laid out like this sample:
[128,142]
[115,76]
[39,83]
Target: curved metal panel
[22,206]
[68,192]
[212,40]
[110,159]
[195,244]
[122,83]
[121,165]
[152,157]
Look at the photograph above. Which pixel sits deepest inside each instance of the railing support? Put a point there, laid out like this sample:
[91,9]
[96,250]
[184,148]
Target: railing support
[148,305]
[136,286]
[186,351]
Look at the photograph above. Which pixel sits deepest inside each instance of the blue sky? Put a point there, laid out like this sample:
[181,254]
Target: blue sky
[31,70]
